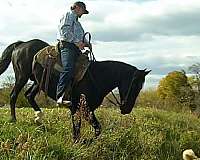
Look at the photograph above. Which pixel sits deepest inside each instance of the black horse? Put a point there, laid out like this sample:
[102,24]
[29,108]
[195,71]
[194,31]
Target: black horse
[21,54]
[99,80]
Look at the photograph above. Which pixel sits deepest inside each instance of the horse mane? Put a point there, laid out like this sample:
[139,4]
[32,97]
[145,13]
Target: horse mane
[116,63]
[117,67]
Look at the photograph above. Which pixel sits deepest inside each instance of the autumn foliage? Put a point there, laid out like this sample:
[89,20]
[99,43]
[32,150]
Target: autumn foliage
[175,86]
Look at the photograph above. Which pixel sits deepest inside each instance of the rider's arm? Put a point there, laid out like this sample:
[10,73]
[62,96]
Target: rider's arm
[79,34]
[66,27]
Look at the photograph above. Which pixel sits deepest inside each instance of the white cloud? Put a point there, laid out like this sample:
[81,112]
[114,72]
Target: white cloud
[161,35]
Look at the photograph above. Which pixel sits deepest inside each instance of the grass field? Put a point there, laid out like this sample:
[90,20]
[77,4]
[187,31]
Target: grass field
[145,134]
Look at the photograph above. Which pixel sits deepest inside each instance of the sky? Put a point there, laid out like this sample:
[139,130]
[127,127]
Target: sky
[160,35]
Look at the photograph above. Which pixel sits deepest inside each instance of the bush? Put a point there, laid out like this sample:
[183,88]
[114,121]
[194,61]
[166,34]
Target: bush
[150,99]
[175,87]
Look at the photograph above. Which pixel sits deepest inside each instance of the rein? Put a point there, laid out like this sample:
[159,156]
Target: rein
[121,103]
[90,52]
[92,58]
[117,103]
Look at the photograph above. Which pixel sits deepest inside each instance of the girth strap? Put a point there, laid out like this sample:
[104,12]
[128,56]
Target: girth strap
[46,72]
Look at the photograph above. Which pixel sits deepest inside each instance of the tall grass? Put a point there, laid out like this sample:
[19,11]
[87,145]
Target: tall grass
[147,133]
[155,130]
[150,98]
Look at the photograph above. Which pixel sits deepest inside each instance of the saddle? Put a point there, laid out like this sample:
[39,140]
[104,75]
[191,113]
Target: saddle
[49,59]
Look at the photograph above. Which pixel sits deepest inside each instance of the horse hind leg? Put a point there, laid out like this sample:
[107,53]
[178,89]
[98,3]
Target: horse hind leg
[28,90]
[19,84]
[30,95]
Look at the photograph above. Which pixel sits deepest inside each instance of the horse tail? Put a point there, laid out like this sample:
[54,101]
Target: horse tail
[6,56]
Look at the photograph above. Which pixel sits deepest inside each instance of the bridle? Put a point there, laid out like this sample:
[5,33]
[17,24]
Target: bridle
[129,90]
[117,103]
[121,103]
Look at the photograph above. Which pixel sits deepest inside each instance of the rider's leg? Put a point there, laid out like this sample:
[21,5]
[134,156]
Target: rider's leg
[68,58]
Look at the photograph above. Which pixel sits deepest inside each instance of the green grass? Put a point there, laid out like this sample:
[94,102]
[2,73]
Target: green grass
[145,134]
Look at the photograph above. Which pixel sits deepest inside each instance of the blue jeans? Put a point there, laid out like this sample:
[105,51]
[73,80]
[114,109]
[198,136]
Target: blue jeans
[68,59]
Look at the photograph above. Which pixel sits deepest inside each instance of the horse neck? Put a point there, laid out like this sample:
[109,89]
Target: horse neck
[107,75]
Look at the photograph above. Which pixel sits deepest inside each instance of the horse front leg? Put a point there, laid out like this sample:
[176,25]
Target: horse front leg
[95,123]
[76,121]
[89,115]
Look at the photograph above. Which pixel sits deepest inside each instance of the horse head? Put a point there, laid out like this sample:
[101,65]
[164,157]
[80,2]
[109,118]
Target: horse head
[129,89]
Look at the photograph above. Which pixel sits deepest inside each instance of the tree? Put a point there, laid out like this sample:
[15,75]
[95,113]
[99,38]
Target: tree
[175,86]
[195,79]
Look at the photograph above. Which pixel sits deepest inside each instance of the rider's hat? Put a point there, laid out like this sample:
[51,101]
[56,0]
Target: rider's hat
[82,5]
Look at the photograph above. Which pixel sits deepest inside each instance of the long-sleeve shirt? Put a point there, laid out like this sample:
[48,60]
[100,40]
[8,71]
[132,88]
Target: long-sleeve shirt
[70,29]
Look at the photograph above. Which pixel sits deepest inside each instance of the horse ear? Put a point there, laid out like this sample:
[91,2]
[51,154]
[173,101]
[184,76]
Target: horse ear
[147,72]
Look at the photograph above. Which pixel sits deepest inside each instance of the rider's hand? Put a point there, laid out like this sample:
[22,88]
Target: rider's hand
[80,45]
[89,45]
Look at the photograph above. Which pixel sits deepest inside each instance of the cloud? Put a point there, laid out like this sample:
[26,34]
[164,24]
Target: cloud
[2,44]
[131,21]
[161,55]
[113,21]
[162,35]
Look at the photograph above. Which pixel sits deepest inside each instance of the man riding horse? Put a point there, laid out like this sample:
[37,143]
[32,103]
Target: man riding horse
[70,35]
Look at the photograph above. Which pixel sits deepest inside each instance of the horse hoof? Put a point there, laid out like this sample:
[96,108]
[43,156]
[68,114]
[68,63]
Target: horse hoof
[41,128]
[87,141]
[76,140]
[38,117]
[38,122]
[13,120]
[97,133]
